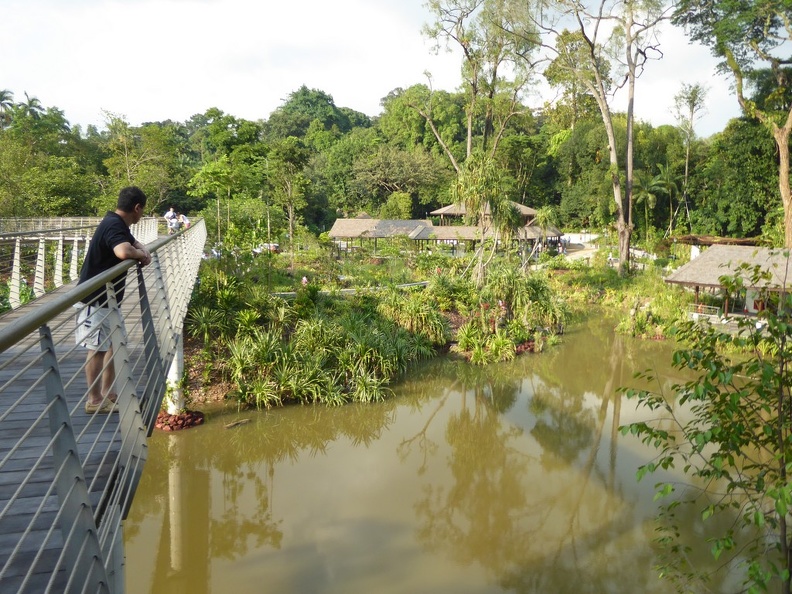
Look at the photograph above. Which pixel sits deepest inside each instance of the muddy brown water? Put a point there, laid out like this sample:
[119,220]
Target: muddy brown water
[510,478]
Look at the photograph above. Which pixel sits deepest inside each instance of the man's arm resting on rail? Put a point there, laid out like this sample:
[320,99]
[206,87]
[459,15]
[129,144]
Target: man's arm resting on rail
[127,251]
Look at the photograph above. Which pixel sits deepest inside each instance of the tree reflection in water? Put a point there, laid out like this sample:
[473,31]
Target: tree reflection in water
[511,474]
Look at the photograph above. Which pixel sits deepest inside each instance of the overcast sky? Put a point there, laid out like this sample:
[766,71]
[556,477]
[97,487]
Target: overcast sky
[151,60]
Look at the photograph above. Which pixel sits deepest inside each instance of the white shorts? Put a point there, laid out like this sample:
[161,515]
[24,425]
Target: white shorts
[94,327]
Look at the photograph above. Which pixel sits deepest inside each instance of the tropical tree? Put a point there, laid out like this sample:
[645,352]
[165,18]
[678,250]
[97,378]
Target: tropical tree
[688,107]
[645,190]
[752,38]
[734,190]
[391,169]
[31,107]
[6,107]
[287,161]
[479,188]
[496,38]
[302,108]
[214,178]
[544,218]
[667,183]
[629,44]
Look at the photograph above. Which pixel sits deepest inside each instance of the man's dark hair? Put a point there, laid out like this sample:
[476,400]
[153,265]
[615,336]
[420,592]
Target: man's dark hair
[130,197]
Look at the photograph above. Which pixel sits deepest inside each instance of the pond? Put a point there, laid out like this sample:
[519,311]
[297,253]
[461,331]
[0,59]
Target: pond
[509,478]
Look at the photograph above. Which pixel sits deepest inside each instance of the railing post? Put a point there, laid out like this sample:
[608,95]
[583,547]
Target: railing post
[82,552]
[74,259]
[41,260]
[14,297]
[133,433]
[58,277]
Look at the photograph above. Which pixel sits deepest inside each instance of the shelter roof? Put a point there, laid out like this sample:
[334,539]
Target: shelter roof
[459,210]
[720,260]
[376,228]
[535,232]
[347,228]
[716,240]
[449,232]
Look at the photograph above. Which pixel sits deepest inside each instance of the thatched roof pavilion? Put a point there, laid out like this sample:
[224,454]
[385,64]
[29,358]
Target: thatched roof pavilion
[706,270]
[458,210]
[352,228]
[720,260]
[345,231]
[377,228]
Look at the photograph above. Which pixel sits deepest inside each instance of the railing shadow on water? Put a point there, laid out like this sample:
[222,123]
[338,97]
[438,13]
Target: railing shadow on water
[67,478]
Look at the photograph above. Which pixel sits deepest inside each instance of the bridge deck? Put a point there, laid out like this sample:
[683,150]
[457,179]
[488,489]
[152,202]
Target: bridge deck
[67,478]
[31,543]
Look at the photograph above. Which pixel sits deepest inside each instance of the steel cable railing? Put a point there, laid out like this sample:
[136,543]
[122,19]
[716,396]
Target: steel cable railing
[67,477]
[34,262]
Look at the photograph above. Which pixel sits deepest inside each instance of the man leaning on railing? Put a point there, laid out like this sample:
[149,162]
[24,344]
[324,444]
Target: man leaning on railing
[111,243]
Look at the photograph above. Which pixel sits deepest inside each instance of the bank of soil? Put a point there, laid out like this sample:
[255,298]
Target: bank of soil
[204,382]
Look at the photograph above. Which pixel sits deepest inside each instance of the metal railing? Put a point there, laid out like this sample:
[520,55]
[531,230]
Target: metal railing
[17,225]
[33,262]
[67,477]
[699,310]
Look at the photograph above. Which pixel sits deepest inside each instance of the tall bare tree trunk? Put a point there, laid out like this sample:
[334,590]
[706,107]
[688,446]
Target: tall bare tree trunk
[781,136]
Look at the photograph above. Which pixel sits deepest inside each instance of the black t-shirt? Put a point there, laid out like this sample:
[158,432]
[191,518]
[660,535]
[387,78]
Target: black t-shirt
[112,231]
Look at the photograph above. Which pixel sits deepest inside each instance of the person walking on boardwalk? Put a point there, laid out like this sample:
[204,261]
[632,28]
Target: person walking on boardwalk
[170,220]
[111,243]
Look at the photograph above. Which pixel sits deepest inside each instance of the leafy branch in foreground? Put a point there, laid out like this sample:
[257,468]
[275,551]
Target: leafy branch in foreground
[730,431]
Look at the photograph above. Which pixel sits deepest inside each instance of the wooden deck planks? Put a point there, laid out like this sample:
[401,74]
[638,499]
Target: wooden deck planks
[27,471]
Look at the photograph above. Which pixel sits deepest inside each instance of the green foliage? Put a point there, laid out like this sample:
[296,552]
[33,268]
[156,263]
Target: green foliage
[204,322]
[730,430]
[742,164]
[318,348]
[448,290]
[512,313]
[416,314]
[646,303]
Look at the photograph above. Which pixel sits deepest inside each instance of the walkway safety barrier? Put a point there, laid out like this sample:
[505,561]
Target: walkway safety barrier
[67,477]
[35,260]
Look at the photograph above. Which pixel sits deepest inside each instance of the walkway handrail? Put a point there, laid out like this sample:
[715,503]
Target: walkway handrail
[38,316]
[9,235]
[16,224]
[43,258]
[67,477]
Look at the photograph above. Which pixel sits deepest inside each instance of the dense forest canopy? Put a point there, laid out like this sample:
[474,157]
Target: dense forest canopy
[310,161]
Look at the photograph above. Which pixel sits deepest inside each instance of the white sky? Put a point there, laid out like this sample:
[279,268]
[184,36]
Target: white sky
[151,60]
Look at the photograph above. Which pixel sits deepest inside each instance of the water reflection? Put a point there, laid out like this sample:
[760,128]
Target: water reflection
[508,478]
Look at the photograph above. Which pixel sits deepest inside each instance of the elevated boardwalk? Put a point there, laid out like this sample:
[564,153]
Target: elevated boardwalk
[67,478]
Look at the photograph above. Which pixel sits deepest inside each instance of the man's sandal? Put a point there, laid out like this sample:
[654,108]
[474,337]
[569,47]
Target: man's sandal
[104,407]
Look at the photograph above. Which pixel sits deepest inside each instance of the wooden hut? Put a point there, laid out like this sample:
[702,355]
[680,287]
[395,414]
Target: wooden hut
[348,233]
[706,270]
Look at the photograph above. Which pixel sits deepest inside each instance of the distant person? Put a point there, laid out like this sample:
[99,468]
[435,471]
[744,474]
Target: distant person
[170,220]
[111,243]
[184,220]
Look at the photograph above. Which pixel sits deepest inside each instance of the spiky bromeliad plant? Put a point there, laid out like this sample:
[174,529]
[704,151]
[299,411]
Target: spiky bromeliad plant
[734,435]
